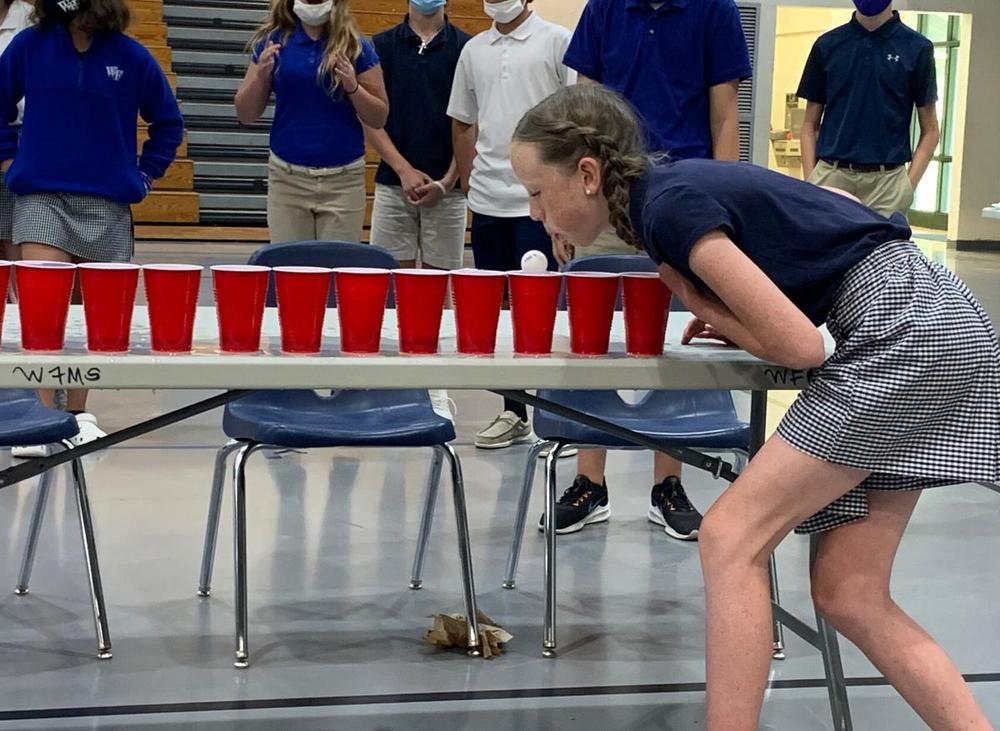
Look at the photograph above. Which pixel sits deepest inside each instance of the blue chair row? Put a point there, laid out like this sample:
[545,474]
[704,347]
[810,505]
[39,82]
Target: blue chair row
[24,421]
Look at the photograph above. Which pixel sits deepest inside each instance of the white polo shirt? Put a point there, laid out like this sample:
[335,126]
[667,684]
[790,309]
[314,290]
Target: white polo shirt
[499,78]
[18,18]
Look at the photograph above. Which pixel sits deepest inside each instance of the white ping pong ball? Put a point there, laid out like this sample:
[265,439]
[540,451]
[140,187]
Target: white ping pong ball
[534,261]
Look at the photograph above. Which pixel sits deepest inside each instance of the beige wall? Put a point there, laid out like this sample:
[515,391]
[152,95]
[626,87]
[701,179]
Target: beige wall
[564,12]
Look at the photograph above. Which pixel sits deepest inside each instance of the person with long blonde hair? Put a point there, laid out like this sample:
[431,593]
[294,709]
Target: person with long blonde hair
[327,81]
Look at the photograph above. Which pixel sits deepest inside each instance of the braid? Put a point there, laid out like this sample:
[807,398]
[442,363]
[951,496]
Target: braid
[590,120]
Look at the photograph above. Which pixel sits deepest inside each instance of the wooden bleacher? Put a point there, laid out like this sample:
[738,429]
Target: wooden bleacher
[172,200]
[172,197]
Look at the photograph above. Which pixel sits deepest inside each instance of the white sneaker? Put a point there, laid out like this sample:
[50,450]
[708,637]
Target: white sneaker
[568,452]
[442,405]
[503,431]
[35,450]
[89,431]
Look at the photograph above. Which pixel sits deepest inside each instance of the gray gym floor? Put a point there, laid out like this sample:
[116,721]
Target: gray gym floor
[336,634]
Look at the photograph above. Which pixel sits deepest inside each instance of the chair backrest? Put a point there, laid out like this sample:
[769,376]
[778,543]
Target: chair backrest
[330,254]
[612,263]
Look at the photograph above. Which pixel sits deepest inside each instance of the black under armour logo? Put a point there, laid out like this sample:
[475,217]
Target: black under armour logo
[895,58]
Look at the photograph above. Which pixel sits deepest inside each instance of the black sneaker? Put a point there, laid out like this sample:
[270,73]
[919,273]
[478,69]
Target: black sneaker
[584,502]
[672,509]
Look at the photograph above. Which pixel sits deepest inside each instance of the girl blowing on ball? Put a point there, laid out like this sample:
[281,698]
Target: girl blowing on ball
[906,401]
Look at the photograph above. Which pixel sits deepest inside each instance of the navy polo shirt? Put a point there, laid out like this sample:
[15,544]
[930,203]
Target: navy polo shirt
[803,237]
[418,81]
[663,61]
[314,124]
[868,83]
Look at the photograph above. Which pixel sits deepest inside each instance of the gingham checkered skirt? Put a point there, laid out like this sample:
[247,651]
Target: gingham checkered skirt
[912,390]
[6,211]
[86,226]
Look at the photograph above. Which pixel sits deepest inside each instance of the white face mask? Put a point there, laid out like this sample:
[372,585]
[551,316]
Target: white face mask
[313,14]
[504,12]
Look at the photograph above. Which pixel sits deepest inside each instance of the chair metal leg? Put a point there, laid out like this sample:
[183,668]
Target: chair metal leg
[427,519]
[37,515]
[549,524]
[240,551]
[93,569]
[214,507]
[521,516]
[778,643]
[840,708]
[464,549]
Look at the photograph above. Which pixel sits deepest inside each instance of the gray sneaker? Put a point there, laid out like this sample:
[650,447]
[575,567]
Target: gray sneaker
[505,430]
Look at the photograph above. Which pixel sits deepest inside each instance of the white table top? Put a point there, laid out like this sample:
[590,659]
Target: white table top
[701,366]
[991,212]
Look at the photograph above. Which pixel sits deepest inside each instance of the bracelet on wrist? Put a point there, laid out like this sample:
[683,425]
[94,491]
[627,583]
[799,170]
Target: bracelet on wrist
[357,85]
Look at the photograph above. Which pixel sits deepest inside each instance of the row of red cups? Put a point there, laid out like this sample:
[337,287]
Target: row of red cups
[108,292]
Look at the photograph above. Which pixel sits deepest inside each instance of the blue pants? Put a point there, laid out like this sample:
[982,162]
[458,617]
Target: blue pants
[499,243]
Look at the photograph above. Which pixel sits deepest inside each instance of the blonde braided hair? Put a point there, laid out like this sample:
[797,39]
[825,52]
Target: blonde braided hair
[590,120]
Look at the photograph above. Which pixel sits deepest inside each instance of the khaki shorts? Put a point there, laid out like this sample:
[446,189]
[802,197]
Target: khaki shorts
[315,204]
[884,192]
[606,243]
[435,235]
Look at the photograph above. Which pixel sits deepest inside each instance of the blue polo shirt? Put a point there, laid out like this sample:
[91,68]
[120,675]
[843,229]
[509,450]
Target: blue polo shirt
[314,125]
[418,81]
[803,237]
[663,61]
[868,83]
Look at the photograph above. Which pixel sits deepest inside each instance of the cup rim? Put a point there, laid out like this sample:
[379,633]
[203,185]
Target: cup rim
[641,275]
[6,263]
[252,268]
[44,264]
[592,275]
[419,272]
[362,270]
[109,265]
[172,267]
[519,273]
[302,270]
[473,272]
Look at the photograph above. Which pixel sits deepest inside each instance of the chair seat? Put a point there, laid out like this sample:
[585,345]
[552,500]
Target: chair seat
[305,419]
[700,419]
[24,421]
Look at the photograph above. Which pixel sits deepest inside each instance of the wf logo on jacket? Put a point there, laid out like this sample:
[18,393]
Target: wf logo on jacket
[114,73]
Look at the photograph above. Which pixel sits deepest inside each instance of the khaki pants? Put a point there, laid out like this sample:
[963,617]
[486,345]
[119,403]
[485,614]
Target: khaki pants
[315,204]
[606,243]
[884,192]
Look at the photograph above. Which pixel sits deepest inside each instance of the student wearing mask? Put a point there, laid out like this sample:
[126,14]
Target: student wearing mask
[501,74]
[326,82]
[74,171]
[862,82]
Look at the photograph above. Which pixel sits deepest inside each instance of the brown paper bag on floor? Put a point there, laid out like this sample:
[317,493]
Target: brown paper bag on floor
[449,631]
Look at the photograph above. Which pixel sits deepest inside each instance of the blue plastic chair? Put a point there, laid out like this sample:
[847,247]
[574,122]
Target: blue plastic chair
[700,419]
[301,419]
[24,422]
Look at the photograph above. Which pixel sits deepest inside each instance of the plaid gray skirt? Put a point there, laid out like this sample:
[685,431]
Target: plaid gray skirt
[912,390]
[6,211]
[85,226]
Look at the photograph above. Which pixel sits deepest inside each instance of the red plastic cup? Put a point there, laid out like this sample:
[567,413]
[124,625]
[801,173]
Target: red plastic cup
[172,296]
[302,294]
[108,300]
[240,291]
[44,289]
[591,299]
[533,300]
[361,296]
[477,295]
[420,295]
[647,304]
[5,267]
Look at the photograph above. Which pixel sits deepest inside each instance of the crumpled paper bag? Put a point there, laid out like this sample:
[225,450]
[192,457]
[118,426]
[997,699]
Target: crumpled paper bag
[449,631]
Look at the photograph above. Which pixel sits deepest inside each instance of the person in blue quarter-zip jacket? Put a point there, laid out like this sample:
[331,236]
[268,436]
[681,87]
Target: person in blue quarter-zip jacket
[74,170]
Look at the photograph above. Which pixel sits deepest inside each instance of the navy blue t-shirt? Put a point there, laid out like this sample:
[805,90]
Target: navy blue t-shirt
[868,83]
[418,81]
[803,237]
[314,125]
[663,61]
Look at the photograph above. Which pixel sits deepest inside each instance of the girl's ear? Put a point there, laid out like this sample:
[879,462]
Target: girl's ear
[591,174]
